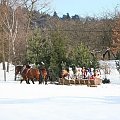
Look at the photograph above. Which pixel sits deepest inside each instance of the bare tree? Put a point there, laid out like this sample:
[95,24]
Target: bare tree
[9,24]
[10,19]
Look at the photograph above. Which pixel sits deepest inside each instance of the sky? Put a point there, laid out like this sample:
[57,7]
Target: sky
[58,102]
[85,7]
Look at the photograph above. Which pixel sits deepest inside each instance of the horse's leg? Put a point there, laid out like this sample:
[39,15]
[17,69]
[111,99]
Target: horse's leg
[32,80]
[45,80]
[21,81]
[40,79]
[50,78]
[15,77]
[27,81]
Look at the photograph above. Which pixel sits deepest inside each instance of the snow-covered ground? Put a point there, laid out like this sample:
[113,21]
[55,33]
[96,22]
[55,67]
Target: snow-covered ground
[57,102]
[114,75]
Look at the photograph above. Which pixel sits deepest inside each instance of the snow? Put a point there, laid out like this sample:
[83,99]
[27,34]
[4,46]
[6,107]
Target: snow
[114,75]
[57,102]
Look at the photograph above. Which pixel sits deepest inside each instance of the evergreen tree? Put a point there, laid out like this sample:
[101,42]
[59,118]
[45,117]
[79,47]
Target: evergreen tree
[82,56]
[38,49]
[58,51]
[55,14]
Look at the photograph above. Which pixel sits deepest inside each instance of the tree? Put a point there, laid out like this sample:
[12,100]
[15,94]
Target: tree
[81,56]
[66,17]
[9,25]
[30,6]
[51,50]
[55,15]
[59,50]
[76,17]
[116,38]
[38,48]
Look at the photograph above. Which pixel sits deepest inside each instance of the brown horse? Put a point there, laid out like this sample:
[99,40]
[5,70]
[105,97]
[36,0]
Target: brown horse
[27,73]
[32,74]
[43,75]
[24,75]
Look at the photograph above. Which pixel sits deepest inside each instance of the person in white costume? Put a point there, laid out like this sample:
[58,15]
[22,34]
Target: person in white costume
[78,72]
[71,73]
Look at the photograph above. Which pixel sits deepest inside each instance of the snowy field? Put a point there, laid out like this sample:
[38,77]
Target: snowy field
[58,102]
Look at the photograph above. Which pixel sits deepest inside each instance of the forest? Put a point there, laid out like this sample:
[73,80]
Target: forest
[28,35]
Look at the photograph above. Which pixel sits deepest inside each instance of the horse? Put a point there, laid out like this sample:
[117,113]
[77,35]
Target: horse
[27,73]
[32,74]
[18,70]
[43,75]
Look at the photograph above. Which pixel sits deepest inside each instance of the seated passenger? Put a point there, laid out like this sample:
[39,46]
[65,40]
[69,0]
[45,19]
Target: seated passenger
[71,73]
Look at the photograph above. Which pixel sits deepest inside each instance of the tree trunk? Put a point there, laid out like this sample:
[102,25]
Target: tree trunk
[3,56]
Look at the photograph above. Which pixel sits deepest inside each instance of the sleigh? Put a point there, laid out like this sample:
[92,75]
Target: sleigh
[88,82]
[94,82]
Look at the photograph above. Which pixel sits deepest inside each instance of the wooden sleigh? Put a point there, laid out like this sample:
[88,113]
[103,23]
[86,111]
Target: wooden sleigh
[88,82]
[94,82]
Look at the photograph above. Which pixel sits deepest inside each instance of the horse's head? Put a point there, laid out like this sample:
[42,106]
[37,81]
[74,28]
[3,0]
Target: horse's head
[18,69]
[28,66]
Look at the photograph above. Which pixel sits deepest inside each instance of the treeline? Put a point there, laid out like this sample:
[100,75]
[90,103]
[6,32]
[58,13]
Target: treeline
[94,32]
[30,36]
